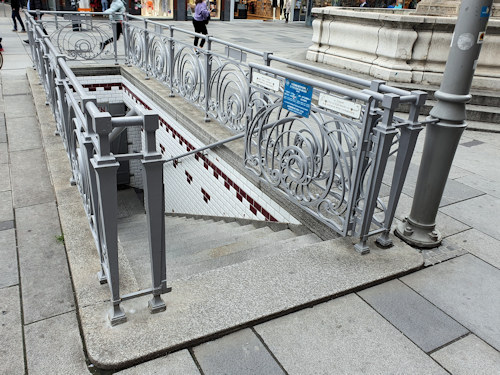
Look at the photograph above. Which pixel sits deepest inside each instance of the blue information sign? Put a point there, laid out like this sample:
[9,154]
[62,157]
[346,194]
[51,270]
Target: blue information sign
[485,11]
[297,98]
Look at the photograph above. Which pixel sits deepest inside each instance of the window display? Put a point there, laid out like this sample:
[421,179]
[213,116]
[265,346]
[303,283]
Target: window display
[157,8]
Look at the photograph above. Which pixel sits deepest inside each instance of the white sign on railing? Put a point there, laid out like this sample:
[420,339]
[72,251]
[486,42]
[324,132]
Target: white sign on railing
[345,107]
[266,81]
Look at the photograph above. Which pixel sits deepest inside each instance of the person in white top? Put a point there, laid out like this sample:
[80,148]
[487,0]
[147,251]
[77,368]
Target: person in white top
[117,6]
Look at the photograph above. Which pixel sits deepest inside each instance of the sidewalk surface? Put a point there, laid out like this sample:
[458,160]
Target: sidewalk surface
[441,319]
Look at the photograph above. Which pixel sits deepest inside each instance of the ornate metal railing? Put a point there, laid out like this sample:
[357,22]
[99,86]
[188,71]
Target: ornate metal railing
[330,163]
[85,132]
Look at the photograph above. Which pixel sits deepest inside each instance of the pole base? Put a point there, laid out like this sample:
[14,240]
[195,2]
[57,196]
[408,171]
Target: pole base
[415,235]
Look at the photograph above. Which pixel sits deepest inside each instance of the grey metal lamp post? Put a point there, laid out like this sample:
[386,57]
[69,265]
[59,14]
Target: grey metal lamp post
[442,138]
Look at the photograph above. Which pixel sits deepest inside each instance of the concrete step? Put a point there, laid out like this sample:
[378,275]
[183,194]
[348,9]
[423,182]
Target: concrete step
[223,235]
[194,245]
[253,252]
[476,113]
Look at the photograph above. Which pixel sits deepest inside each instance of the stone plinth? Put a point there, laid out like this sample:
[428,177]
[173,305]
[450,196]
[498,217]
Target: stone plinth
[397,46]
[447,8]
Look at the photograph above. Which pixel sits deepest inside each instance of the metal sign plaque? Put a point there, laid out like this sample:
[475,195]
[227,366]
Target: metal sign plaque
[297,98]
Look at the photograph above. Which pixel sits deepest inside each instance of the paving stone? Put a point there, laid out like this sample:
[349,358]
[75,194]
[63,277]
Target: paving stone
[343,336]
[3,133]
[414,316]
[178,363]
[64,358]
[239,353]
[8,258]
[4,181]
[46,286]
[16,86]
[480,213]
[18,108]
[11,348]
[30,178]
[6,212]
[467,289]
[4,155]
[469,355]
[23,133]
[488,185]
[483,246]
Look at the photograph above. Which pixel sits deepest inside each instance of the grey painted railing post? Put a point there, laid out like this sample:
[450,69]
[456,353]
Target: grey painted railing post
[106,166]
[384,132]
[407,142]
[171,62]
[441,139]
[152,163]
[208,76]
[146,49]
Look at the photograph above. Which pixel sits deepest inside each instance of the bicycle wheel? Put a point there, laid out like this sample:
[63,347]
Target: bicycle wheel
[1,60]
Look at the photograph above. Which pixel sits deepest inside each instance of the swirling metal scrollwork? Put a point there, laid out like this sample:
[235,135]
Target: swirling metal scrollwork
[229,94]
[311,160]
[159,58]
[189,75]
[137,50]
[82,41]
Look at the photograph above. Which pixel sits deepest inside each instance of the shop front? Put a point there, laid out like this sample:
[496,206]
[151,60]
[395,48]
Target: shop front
[258,9]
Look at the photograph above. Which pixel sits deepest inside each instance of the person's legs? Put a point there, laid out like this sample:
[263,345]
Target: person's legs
[203,30]
[18,16]
[196,30]
[14,19]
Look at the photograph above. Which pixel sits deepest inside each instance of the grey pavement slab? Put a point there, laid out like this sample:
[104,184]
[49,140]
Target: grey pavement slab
[30,178]
[8,224]
[46,285]
[18,107]
[488,185]
[8,258]
[480,213]
[469,355]
[11,333]
[481,245]
[343,336]
[15,61]
[419,320]
[65,357]
[4,154]
[5,180]
[178,363]
[6,211]
[468,290]
[3,129]
[476,161]
[15,85]
[219,300]
[23,133]
[239,353]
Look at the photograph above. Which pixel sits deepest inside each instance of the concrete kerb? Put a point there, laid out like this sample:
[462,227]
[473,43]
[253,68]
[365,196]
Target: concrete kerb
[209,305]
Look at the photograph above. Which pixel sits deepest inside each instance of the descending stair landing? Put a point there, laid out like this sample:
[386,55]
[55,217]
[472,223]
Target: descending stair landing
[224,276]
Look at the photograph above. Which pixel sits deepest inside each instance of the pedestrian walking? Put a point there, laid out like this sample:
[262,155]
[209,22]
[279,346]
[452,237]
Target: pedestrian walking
[288,9]
[33,5]
[117,6]
[16,6]
[200,20]
[104,5]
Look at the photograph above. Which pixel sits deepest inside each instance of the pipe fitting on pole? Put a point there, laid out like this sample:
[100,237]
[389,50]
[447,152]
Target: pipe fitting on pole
[442,137]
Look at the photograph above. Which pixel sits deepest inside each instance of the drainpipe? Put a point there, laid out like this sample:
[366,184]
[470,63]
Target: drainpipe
[441,139]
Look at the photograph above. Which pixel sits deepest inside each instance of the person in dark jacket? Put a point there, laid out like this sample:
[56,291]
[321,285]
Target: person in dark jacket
[34,5]
[16,6]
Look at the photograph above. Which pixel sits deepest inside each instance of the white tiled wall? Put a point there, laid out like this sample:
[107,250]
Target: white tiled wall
[206,192]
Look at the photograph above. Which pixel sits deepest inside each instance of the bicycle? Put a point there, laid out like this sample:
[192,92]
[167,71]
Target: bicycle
[1,54]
